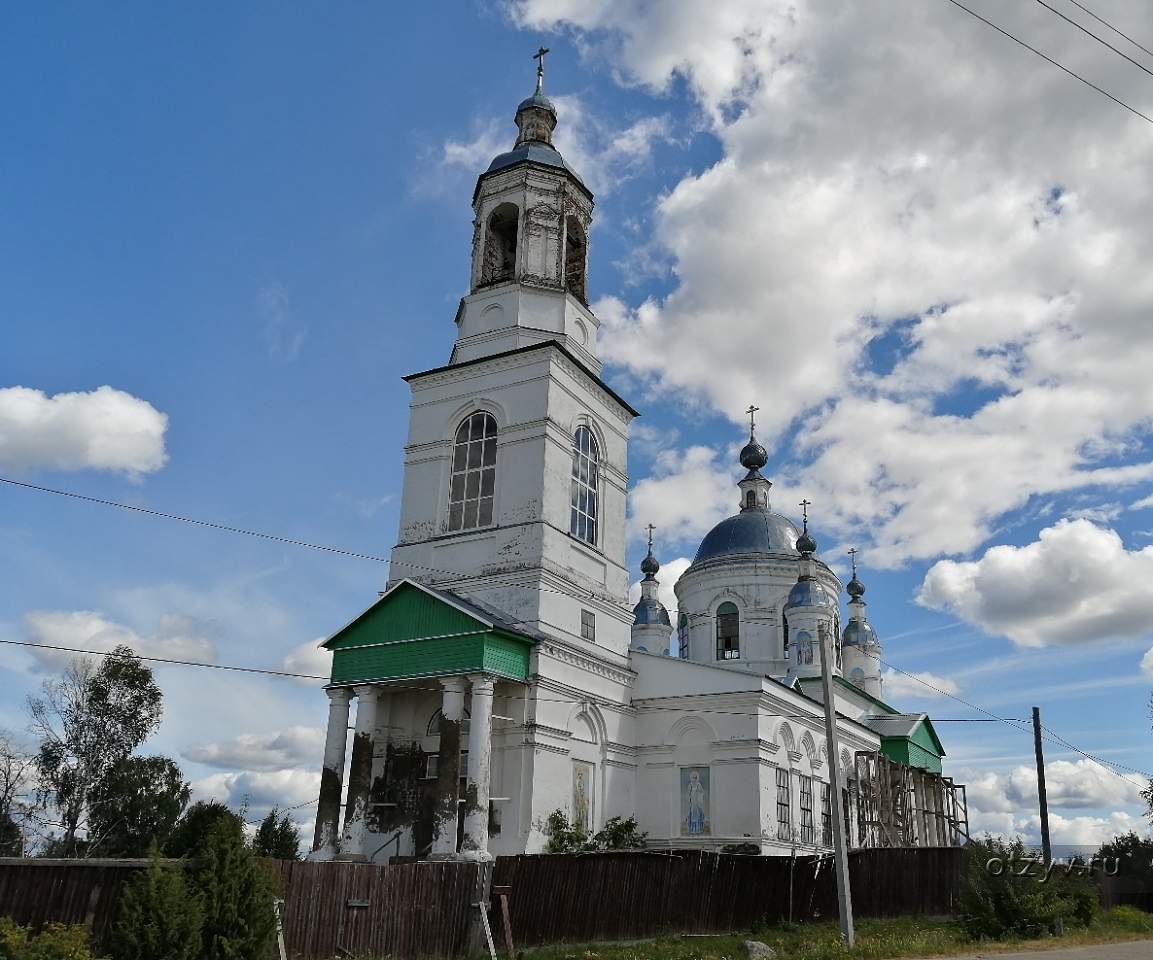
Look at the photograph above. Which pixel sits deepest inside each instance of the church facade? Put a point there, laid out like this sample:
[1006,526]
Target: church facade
[503,674]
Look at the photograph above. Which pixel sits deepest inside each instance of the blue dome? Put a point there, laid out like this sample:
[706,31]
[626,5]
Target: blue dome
[858,633]
[533,152]
[809,592]
[537,100]
[648,612]
[750,532]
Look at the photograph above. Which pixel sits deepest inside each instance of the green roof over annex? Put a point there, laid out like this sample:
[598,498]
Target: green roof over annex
[414,630]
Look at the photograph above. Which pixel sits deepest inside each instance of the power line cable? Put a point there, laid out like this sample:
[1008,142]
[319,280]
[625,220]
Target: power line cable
[200,523]
[1095,759]
[1102,20]
[227,528]
[378,559]
[1057,64]
[309,676]
[1101,40]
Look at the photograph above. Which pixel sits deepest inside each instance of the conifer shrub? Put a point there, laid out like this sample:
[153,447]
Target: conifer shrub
[160,916]
[236,895]
[1005,896]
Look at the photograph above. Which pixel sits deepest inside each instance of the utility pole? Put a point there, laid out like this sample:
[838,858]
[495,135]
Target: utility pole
[1046,846]
[840,840]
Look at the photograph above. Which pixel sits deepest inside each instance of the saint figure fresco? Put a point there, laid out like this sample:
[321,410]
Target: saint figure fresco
[695,801]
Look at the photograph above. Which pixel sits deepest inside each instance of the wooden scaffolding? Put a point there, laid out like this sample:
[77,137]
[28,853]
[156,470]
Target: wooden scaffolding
[902,806]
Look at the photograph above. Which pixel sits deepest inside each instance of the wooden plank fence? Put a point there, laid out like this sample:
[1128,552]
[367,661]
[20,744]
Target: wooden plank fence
[330,909]
[617,896]
[1118,891]
[35,892]
[407,911]
[418,910]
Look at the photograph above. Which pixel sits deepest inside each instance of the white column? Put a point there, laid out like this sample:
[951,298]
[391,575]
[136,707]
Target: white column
[445,812]
[360,774]
[332,776]
[377,814]
[477,790]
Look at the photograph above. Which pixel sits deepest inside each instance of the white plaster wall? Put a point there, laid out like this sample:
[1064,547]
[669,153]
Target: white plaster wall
[526,564]
[759,589]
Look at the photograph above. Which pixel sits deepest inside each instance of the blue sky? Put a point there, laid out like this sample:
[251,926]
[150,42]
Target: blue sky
[251,222]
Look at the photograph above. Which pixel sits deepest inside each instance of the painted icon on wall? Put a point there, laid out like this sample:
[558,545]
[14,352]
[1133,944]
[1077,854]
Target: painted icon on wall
[695,802]
[582,796]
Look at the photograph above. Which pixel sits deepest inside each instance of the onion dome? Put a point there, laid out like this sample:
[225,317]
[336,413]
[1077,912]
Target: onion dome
[859,633]
[753,455]
[650,565]
[806,543]
[538,101]
[809,592]
[648,611]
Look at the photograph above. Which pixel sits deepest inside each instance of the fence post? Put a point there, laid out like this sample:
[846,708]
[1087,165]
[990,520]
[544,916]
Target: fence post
[476,939]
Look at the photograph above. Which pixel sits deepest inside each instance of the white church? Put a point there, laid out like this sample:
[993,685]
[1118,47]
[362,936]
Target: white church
[503,675]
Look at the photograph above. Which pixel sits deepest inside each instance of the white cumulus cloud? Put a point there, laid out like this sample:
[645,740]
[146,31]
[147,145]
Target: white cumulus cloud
[1080,784]
[175,636]
[102,429]
[1076,583]
[929,269]
[308,659]
[918,686]
[289,748]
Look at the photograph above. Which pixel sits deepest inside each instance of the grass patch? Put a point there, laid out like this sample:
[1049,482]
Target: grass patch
[876,939]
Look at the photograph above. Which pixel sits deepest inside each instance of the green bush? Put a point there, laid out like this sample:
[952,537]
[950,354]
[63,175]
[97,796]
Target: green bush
[160,916]
[997,903]
[616,834]
[56,941]
[236,894]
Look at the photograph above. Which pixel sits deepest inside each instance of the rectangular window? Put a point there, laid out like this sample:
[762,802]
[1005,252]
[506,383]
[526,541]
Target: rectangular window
[588,626]
[431,765]
[807,834]
[826,817]
[683,636]
[728,632]
[784,806]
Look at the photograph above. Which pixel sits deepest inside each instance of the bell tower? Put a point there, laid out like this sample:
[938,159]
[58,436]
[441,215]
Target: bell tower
[531,221]
[515,467]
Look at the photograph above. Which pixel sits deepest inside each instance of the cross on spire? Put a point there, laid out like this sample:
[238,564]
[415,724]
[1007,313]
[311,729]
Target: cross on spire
[804,505]
[853,558]
[539,58]
[752,412]
[650,529]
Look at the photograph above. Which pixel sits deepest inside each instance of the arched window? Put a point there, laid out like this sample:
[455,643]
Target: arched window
[575,249]
[473,478]
[751,499]
[728,632]
[785,635]
[499,259]
[585,483]
[683,636]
